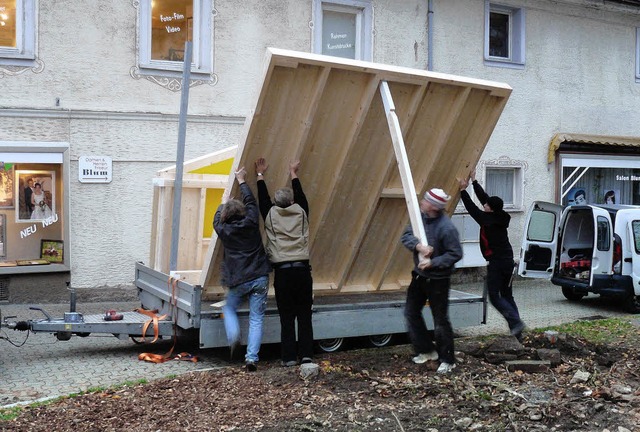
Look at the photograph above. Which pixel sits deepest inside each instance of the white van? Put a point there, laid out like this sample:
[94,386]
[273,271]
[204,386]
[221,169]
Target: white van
[585,249]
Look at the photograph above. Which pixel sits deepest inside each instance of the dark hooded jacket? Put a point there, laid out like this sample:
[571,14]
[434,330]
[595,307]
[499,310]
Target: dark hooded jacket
[244,255]
[494,238]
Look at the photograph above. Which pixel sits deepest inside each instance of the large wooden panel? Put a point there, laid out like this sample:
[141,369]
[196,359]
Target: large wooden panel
[328,113]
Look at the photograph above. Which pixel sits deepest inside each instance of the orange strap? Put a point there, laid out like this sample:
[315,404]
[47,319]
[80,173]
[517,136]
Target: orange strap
[154,320]
[161,358]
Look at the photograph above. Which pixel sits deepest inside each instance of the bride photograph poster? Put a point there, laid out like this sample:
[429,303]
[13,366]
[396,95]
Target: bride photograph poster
[35,191]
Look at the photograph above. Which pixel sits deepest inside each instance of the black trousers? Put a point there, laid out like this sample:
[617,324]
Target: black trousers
[499,277]
[436,291]
[294,297]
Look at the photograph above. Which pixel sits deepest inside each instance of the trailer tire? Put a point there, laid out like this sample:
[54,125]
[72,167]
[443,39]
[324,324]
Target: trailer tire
[632,304]
[330,345]
[572,294]
[380,341]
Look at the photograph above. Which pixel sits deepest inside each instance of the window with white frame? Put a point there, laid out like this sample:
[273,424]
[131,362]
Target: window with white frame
[165,27]
[17,32]
[505,182]
[504,38]
[343,28]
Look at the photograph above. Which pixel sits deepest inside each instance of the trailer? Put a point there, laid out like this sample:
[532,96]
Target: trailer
[372,138]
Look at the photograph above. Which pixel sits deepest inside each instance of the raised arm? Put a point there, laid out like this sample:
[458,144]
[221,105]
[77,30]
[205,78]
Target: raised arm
[264,199]
[298,194]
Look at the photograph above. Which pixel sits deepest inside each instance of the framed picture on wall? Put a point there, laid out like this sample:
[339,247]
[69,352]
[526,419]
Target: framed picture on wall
[6,185]
[36,195]
[52,250]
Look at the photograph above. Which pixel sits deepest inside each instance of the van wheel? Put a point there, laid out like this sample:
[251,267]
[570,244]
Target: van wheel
[572,294]
[330,345]
[632,304]
[379,341]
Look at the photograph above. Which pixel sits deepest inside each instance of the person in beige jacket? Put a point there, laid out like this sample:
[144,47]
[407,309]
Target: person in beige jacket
[286,223]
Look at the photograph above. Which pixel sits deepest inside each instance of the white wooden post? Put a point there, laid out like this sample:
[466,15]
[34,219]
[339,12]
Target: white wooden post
[409,188]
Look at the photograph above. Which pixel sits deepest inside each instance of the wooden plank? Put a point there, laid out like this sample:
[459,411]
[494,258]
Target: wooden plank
[196,181]
[154,223]
[403,165]
[199,230]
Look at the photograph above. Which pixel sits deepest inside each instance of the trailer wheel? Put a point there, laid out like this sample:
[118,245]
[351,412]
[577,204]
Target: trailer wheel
[379,341]
[330,345]
[632,304]
[572,294]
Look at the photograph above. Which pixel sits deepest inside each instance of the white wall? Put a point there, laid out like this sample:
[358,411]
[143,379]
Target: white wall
[578,77]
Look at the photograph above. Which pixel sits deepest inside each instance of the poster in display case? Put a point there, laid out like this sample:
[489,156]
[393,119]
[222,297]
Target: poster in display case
[6,185]
[52,250]
[36,195]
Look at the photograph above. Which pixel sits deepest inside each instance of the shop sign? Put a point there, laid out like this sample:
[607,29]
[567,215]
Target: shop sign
[95,169]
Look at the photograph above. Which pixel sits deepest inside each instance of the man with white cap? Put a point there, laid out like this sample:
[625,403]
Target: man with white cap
[432,282]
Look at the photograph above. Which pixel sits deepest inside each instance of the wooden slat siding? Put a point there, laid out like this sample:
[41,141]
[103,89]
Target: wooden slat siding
[199,162]
[387,72]
[378,244]
[289,100]
[197,264]
[155,203]
[383,165]
[163,239]
[347,183]
[451,157]
[438,114]
[362,192]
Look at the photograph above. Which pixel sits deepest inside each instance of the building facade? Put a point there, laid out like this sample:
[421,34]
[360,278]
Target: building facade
[90,98]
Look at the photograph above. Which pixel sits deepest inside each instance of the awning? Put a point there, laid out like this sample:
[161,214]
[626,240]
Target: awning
[619,141]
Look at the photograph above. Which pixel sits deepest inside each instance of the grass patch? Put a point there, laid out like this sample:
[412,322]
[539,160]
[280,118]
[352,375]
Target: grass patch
[604,331]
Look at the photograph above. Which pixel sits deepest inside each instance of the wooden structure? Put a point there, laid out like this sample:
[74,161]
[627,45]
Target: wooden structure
[342,119]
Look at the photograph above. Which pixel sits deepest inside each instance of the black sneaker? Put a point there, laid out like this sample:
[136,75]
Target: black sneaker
[251,366]
[306,360]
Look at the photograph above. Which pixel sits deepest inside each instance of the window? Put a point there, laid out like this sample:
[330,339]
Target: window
[343,28]
[604,236]
[165,27]
[17,32]
[505,182]
[636,235]
[504,36]
[541,226]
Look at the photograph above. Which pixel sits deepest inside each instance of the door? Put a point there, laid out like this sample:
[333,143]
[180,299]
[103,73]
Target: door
[602,259]
[634,235]
[540,240]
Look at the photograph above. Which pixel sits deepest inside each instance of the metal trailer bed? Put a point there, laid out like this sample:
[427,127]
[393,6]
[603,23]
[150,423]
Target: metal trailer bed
[335,317]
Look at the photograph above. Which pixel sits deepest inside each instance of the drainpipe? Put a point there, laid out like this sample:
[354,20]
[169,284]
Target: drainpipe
[430,35]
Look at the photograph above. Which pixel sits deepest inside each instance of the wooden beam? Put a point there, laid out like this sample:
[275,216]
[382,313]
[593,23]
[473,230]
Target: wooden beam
[202,161]
[196,181]
[403,164]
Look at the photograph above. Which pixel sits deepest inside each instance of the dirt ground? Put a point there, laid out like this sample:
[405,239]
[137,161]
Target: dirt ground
[380,389]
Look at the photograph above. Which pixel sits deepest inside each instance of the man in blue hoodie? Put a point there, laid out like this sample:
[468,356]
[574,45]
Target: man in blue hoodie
[496,249]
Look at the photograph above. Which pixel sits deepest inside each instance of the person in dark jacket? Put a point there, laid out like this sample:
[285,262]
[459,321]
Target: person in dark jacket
[496,249]
[245,268]
[430,281]
[286,223]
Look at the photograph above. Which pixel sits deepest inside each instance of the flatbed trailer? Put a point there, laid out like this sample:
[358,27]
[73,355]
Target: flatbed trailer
[378,315]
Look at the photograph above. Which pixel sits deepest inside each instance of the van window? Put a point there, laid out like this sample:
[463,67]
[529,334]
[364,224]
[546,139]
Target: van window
[541,226]
[636,234]
[604,235]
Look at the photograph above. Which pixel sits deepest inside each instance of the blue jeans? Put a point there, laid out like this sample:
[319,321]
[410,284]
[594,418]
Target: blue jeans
[256,291]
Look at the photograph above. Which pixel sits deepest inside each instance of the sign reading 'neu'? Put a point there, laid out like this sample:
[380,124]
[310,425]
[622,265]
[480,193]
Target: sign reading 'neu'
[94,169]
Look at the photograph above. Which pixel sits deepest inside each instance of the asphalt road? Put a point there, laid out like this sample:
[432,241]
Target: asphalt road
[40,367]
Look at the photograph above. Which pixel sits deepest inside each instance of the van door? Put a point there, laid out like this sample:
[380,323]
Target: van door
[602,259]
[540,240]
[634,235]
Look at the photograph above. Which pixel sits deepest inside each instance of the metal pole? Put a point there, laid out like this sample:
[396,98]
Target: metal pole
[182,132]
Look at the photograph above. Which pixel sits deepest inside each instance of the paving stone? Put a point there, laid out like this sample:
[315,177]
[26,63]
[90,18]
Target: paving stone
[528,365]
